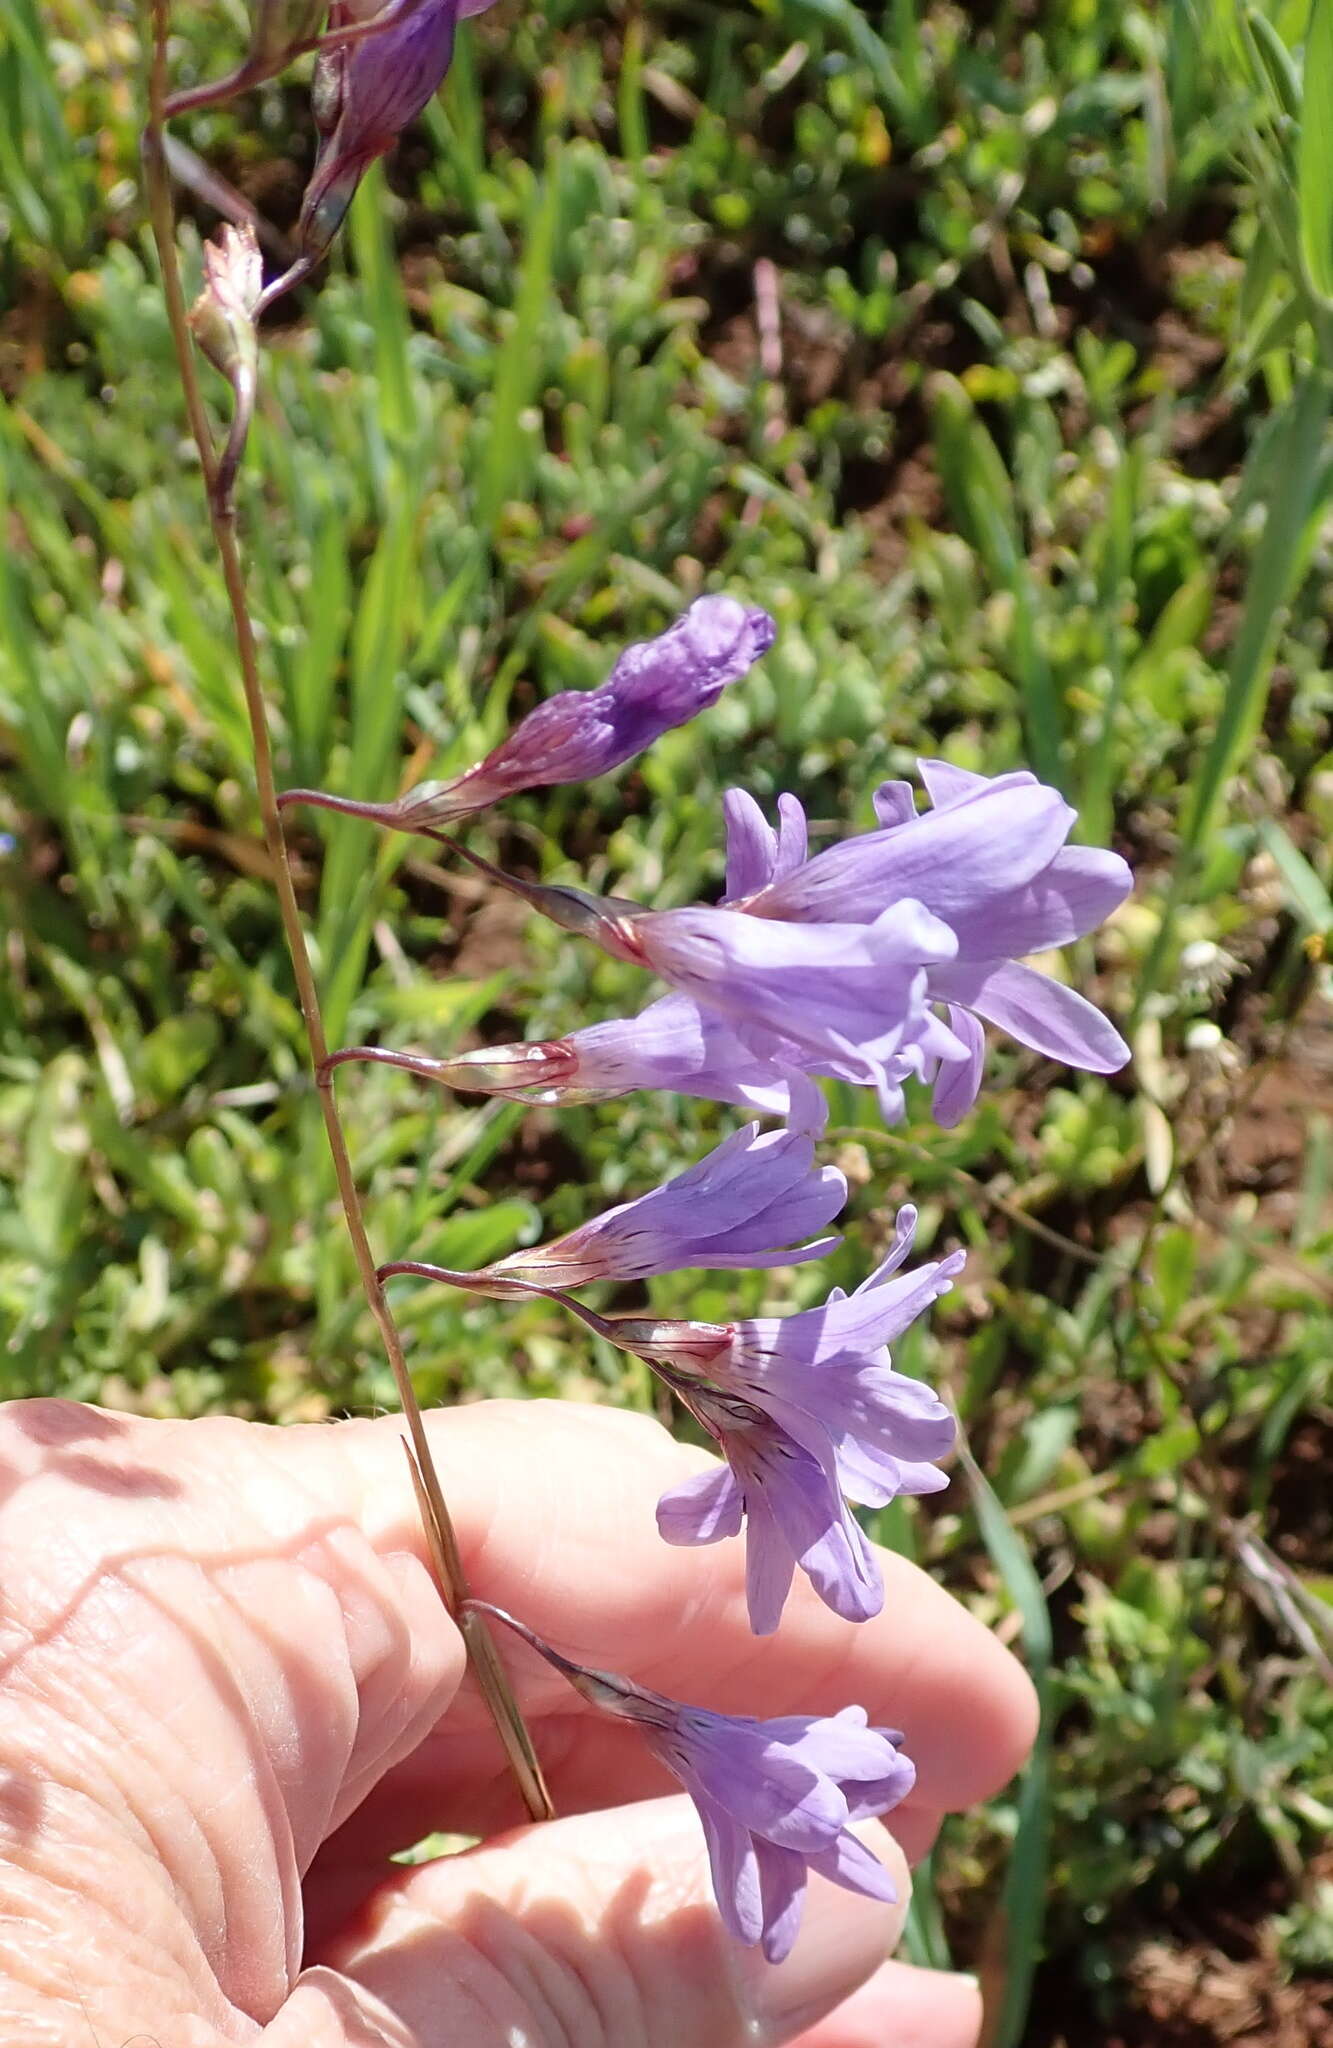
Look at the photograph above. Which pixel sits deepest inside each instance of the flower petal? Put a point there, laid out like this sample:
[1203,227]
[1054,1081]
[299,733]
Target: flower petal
[894,804]
[958,1081]
[959,862]
[735,1869]
[770,1566]
[703,1509]
[849,1863]
[1081,887]
[782,1888]
[1035,1010]
[751,844]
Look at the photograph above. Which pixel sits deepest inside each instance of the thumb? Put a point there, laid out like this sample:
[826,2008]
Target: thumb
[599,1929]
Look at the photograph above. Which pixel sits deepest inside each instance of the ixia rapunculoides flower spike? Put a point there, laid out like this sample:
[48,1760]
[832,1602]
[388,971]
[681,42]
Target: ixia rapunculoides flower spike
[749,1203]
[989,859]
[579,734]
[776,1798]
[806,1409]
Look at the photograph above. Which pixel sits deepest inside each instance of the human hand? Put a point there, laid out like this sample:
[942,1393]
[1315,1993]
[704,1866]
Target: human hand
[229,1692]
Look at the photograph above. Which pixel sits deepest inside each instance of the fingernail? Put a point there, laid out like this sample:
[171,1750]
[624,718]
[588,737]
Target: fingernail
[843,1940]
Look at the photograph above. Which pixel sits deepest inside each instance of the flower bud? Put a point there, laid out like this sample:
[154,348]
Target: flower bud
[363,95]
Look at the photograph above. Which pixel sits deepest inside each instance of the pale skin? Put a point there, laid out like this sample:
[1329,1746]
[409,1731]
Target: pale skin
[228,1691]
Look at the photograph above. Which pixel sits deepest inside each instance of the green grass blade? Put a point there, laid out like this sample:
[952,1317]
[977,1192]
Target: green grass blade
[1310,901]
[1021,1911]
[519,362]
[1315,154]
[1279,562]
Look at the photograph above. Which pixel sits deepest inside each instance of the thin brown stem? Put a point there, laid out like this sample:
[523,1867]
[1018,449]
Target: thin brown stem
[440,1531]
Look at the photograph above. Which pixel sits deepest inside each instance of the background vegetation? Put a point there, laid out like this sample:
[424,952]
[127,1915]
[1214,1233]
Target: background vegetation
[987,347]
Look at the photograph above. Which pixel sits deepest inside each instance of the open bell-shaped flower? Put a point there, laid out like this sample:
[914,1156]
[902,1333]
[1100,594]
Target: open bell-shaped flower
[808,1412]
[776,1798]
[989,860]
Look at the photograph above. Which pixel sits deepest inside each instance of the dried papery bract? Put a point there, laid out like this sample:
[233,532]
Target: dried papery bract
[222,320]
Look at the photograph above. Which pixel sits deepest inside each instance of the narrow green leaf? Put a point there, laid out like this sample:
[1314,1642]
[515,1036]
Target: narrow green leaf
[519,361]
[1314,157]
[1022,1908]
[1310,901]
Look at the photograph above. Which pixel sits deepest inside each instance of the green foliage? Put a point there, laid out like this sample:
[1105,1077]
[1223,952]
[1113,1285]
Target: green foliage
[1043,477]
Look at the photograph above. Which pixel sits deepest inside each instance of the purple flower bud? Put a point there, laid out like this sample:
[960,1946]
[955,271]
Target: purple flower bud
[364,94]
[578,734]
[776,1798]
[748,1203]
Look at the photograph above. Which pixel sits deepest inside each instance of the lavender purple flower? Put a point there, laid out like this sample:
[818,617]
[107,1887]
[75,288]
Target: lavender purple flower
[844,999]
[990,861]
[806,1409]
[749,1203]
[578,734]
[776,1798]
[672,1044]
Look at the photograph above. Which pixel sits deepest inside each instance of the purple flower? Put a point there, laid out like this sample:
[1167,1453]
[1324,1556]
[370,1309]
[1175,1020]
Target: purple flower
[655,685]
[990,861]
[676,1044]
[776,1798]
[365,94]
[748,1203]
[672,1044]
[806,1409]
[843,999]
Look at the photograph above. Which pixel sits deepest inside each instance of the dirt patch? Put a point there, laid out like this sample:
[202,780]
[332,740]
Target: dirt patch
[1198,1997]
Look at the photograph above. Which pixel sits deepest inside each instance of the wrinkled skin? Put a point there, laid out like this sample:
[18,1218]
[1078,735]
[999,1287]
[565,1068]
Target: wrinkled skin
[228,1691]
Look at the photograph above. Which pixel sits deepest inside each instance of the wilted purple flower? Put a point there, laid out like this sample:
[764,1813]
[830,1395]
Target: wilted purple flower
[776,1798]
[806,1409]
[364,95]
[748,1203]
[990,861]
[578,734]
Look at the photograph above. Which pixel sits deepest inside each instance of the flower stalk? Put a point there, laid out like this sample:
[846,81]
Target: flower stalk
[218,481]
